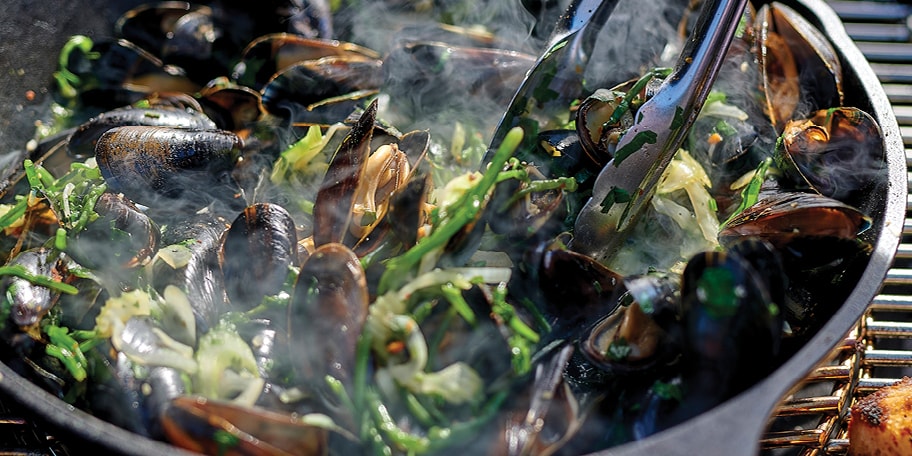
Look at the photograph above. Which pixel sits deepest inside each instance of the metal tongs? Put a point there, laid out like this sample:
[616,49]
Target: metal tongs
[626,184]
[557,77]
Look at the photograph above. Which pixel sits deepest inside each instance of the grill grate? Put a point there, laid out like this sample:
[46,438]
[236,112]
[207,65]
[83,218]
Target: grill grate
[879,350]
[875,354]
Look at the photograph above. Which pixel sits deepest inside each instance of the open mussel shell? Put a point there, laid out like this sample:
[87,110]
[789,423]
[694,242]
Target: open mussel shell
[837,152]
[152,26]
[257,251]
[29,302]
[307,83]
[573,290]
[785,217]
[800,70]
[335,199]
[272,54]
[641,336]
[207,426]
[123,74]
[598,137]
[391,169]
[231,106]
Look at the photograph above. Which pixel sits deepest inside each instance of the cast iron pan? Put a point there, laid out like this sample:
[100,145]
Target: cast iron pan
[31,34]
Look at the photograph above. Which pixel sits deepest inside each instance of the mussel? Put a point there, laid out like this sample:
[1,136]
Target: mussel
[820,240]
[121,238]
[784,217]
[599,127]
[26,302]
[354,196]
[643,334]
[150,163]
[81,143]
[307,83]
[123,74]
[189,260]
[837,152]
[270,55]
[215,427]
[232,107]
[732,329]
[800,70]
[573,290]
[326,315]
[256,253]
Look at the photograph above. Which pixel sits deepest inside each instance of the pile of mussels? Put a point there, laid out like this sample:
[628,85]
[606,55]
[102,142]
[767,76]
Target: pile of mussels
[229,244]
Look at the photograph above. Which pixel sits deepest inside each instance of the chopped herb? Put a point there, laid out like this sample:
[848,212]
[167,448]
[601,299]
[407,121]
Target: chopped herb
[618,349]
[20,271]
[718,290]
[725,129]
[641,139]
[751,193]
[668,391]
[678,119]
[615,196]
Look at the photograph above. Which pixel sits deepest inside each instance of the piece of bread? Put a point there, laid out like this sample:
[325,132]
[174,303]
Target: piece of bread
[881,423]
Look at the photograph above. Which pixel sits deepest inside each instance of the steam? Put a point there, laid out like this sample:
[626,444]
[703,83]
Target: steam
[638,36]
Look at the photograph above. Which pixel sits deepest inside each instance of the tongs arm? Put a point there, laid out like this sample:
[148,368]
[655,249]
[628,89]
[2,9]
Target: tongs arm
[648,146]
[556,78]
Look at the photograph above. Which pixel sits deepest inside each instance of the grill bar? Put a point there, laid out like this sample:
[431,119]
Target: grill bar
[878,32]
[870,11]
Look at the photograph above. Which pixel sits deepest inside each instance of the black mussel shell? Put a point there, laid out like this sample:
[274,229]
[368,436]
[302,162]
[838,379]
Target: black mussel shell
[231,106]
[598,137]
[270,55]
[732,327]
[308,83]
[257,251]
[200,278]
[124,74]
[149,164]
[783,217]
[81,143]
[572,290]
[800,70]
[326,314]
[122,237]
